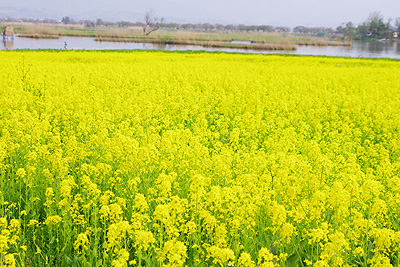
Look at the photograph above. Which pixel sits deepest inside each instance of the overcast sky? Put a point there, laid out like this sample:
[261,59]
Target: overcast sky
[290,13]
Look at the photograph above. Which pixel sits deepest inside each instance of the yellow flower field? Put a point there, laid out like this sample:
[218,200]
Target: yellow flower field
[198,159]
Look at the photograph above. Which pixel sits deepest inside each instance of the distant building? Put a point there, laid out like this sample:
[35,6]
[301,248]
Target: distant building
[394,31]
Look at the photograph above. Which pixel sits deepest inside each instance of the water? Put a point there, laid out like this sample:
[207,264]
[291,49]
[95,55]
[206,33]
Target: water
[379,49]
[387,49]
[241,42]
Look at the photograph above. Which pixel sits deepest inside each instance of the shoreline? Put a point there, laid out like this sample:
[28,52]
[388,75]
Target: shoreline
[193,52]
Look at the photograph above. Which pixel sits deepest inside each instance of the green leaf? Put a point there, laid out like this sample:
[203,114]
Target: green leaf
[293,260]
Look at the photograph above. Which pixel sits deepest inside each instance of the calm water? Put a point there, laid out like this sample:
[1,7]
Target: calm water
[388,49]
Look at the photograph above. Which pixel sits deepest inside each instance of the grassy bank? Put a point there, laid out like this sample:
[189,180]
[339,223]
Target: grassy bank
[223,39]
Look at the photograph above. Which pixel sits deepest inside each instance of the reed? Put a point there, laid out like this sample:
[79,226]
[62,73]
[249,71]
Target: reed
[38,31]
[39,36]
[269,47]
[117,32]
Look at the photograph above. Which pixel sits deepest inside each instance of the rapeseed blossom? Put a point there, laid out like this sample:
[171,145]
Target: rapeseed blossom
[245,260]
[81,242]
[186,159]
[174,253]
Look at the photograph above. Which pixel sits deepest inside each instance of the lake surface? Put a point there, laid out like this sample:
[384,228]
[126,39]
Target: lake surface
[387,49]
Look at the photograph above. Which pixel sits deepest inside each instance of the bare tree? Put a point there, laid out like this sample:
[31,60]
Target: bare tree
[151,23]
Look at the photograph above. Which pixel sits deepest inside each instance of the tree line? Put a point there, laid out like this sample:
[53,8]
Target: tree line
[374,27]
[184,26]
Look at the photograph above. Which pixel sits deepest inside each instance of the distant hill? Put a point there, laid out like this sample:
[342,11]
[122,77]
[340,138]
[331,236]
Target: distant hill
[41,13]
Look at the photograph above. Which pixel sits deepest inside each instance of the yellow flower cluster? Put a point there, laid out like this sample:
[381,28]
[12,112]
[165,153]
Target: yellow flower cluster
[198,159]
[9,241]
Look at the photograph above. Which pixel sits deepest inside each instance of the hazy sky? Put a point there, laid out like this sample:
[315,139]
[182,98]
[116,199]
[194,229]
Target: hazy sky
[272,12]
